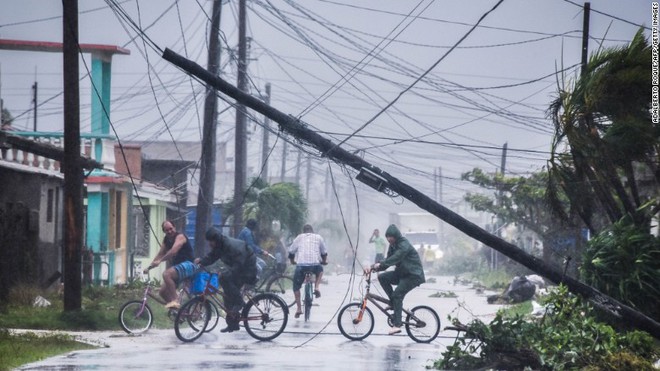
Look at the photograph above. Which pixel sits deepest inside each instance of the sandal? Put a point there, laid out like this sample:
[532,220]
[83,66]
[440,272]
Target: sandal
[298,314]
[394,330]
[173,305]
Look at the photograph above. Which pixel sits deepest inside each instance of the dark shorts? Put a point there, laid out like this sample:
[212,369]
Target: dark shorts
[301,270]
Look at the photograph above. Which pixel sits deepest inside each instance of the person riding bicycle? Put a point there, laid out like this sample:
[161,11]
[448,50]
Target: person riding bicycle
[247,234]
[178,253]
[408,272]
[241,261]
[308,252]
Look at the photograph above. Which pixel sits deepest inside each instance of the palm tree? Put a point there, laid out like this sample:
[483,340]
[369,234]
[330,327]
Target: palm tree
[605,120]
[611,174]
[281,202]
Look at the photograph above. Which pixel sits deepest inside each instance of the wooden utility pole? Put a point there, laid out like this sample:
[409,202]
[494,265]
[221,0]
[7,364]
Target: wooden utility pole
[34,101]
[283,168]
[73,179]
[240,167]
[264,143]
[440,201]
[500,223]
[585,37]
[384,182]
[309,176]
[205,196]
[298,166]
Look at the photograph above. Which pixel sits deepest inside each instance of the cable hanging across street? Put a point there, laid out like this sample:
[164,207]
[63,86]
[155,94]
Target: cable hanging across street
[386,183]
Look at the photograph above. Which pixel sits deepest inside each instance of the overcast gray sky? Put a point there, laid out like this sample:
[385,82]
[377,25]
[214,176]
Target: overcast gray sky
[336,64]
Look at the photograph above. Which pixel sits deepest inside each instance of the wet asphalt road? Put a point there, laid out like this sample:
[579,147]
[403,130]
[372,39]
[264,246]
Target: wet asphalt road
[316,344]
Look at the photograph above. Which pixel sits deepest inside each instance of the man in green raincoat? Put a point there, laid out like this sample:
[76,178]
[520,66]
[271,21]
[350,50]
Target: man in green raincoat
[407,274]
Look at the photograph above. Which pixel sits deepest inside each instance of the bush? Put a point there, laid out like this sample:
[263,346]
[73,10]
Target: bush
[23,294]
[623,262]
[568,337]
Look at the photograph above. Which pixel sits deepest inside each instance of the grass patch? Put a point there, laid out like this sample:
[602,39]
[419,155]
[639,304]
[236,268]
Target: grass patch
[100,310]
[496,280]
[520,309]
[19,349]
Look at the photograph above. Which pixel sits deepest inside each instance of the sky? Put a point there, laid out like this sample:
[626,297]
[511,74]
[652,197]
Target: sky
[413,86]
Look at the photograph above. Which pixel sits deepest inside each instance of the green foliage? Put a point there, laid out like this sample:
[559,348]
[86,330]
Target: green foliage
[518,309]
[493,279]
[19,349]
[23,294]
[567,338]
[604,118]
[520,200]
[623,262]
[100,307]
[283,202]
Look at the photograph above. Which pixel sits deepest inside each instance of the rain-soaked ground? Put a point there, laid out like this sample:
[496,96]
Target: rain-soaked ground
[316,344]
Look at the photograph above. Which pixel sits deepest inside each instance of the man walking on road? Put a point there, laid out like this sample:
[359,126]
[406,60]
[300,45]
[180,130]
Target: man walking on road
[380,244]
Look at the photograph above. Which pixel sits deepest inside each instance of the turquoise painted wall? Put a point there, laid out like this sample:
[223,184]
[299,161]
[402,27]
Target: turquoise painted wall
[101,71]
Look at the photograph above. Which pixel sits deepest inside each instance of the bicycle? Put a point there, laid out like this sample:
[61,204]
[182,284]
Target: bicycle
[136,316]
[264,316]
[276,282]
[309,294]
[356,320]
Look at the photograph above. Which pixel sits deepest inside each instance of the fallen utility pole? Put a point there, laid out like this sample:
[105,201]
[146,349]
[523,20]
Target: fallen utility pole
[384,182]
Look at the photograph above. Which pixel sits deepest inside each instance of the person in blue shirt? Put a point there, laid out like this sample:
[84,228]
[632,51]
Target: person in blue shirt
[247,235]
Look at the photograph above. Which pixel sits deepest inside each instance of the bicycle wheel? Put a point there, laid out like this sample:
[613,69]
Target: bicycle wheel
[282,286]
[309,292]
[192,319]
[216,313]
[353,325]
[265,316]
[135,318]
[423,325]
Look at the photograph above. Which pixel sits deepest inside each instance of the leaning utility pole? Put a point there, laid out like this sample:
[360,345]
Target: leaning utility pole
[388,184]
[240,167]
[73,176]
[205,196]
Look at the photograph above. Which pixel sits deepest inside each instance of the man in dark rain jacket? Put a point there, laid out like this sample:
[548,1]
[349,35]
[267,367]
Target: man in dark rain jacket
[407,274]
[241,261]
